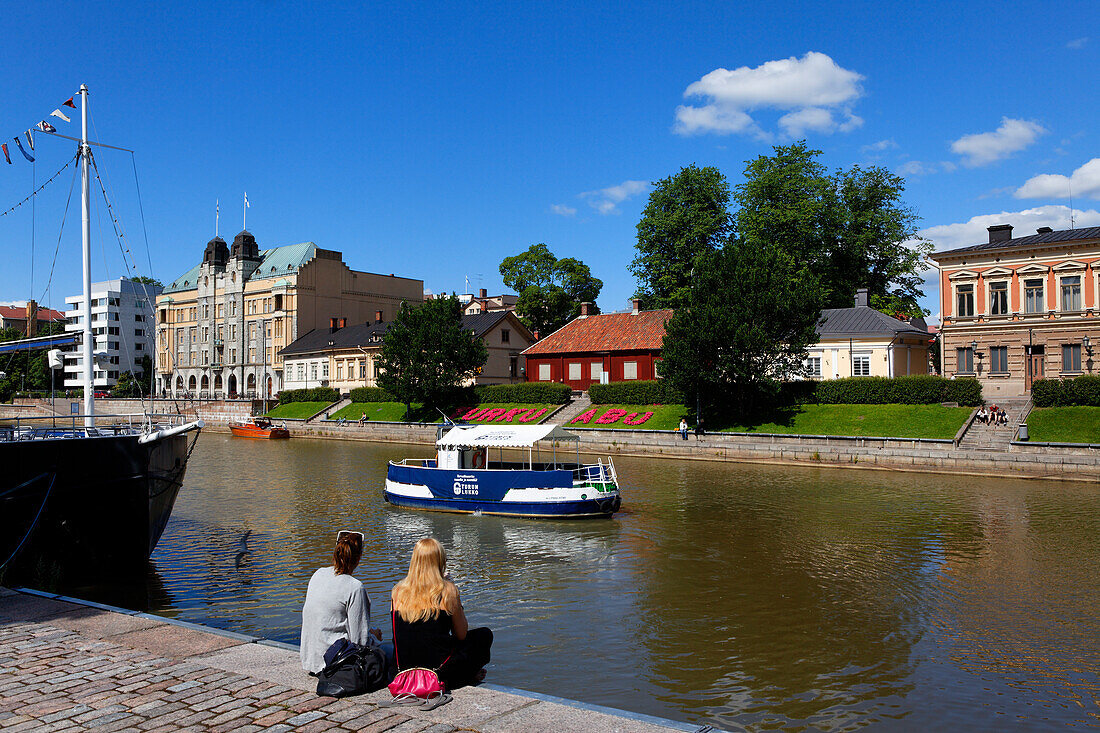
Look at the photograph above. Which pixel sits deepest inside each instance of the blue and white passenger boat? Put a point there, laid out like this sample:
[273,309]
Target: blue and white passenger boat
[462,478]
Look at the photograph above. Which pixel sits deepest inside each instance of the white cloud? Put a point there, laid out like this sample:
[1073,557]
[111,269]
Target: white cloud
[606,200]
[1078,43]
[1084,182]
[563,210]
[15,303]
[974,231]
[814,90]
[916,168]
[880,147]
[989,147]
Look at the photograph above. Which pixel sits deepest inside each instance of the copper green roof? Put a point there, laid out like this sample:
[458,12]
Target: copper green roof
[276,262]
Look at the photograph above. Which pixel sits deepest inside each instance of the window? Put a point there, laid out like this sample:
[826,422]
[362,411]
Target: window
[998,358]
[630,370]
[313,370]
[505,336]
[301,372]
[1071,357]
[1071,293]
[998,299]
[574,371]
[112,330]
[597,370]
[139,318]
[340,370]
[813,366]
[205,357]
[1033,296]
[252,356]
[278,327]
[964,360]
[179,333]
[861,365]
[964,300]
[544,372]
[232,356]
[139,346]
[324,370]
[362,369]
[139,331]
[221,310]
[513,367]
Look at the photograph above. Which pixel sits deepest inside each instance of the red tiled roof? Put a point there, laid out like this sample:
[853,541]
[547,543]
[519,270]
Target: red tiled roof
[44,314]
[606,332]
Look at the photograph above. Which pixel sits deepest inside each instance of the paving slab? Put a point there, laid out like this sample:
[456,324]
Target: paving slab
[24,607]
[172,641]
[263,662]
[97,624]
[549,717]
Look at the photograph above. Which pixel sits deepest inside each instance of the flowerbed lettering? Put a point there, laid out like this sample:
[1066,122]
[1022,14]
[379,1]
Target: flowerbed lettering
[612,416]
[498,414]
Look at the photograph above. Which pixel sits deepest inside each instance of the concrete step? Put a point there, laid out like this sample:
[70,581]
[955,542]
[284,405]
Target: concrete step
[579,405]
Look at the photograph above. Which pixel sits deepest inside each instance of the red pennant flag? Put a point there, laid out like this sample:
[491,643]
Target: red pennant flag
[69,103]
[5,147]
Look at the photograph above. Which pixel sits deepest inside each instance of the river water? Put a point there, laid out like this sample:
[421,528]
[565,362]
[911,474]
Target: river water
[744,596]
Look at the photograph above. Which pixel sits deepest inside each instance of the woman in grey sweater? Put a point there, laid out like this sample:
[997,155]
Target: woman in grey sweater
[337,606]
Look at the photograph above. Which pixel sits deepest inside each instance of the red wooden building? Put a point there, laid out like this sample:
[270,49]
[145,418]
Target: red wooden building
[624,345]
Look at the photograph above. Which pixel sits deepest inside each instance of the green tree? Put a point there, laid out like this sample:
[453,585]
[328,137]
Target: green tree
[145,377]
[127,386]
[751,313]
[146,280]
[851,227]
[685,218]
[427,354]
[550,290]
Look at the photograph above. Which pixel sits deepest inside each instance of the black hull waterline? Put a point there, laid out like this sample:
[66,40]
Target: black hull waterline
[101,502]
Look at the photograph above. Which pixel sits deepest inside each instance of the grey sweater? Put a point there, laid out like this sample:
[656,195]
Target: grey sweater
[336,607]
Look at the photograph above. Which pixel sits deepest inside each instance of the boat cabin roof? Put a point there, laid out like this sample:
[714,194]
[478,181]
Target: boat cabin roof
[502,436]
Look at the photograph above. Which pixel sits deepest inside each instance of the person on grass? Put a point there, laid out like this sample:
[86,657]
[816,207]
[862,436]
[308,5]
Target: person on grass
[337,606]
[429,625]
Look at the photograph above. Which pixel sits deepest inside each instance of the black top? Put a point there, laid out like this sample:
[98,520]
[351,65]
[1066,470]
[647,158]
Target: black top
[424,643]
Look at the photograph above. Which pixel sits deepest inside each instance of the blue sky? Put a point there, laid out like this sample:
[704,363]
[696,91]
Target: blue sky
[433,140]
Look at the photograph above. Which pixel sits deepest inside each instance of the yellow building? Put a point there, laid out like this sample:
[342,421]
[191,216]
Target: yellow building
[222,324]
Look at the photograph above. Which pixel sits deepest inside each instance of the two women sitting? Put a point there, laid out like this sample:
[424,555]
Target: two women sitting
[429,625]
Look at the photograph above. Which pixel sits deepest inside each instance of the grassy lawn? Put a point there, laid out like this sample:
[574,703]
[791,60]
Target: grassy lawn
[1064,425]
[384,411]
[898,421]
[664,417]
[516,419]
[300,410]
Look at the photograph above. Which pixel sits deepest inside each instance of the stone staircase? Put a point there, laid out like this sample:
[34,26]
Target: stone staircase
[996,437]
[330,410]
[574,408]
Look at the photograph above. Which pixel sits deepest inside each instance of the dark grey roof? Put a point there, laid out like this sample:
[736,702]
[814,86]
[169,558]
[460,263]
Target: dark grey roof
[1065,235]
[368,334]
[862,321]
[321,339]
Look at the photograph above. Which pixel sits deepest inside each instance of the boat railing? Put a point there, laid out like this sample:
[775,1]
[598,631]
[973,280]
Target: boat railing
[59,426]
[598,472]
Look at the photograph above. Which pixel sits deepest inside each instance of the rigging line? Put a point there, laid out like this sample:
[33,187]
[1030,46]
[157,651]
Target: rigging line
[37,190]
[141,209]
[33,207]
[58,247]
[46,498]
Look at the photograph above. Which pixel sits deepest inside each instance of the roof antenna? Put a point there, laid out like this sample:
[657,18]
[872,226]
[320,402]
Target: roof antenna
[1072,220]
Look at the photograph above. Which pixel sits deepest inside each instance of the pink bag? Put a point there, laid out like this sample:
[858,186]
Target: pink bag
[416,683]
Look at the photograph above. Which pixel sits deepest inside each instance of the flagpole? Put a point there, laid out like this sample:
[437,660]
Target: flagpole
[86,250]
[217,214]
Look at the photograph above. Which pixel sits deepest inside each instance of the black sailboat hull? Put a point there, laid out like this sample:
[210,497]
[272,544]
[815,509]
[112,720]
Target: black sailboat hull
[86,507]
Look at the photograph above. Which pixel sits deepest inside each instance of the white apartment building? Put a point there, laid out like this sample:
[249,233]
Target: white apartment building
[122,325]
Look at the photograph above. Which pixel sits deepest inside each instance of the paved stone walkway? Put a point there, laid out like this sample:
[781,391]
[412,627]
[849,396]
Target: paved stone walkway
[69,667]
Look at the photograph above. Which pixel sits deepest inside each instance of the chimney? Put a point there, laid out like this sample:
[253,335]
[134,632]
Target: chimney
[483,293]
[1000,233]
[343,322]
[32,318]
[584,310]
[332,327]
[378,316]
[862,300]
[637,306]
[1043,230]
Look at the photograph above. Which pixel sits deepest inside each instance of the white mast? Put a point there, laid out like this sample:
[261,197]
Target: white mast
[86,238]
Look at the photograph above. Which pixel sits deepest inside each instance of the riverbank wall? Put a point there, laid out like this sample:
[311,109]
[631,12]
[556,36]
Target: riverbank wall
[73,665]
[891,454]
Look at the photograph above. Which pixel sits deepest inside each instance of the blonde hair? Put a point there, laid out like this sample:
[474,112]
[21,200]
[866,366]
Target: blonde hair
[424,591]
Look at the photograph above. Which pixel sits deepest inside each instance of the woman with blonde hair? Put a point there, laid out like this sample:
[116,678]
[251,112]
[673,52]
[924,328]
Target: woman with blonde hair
[429,624]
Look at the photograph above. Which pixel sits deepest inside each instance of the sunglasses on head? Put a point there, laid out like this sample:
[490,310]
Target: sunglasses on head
[348,532]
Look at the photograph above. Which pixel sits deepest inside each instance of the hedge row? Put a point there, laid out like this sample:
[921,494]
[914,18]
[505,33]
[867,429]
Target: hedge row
[525,393]
[1083,390]
[371,394]
[643,392]
[316,394]
[925,389]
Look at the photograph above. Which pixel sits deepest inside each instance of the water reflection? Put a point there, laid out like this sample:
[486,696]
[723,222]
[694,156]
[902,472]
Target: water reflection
[745,596]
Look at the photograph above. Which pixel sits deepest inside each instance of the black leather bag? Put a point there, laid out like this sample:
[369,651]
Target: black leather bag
[351,669]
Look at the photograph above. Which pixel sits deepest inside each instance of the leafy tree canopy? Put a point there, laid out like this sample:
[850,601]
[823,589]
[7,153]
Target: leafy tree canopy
[550,290]
[146,280]
[427,354]
[750,316]
[685,218]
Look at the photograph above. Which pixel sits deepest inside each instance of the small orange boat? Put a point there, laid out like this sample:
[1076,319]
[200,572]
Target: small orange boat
[258,427]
